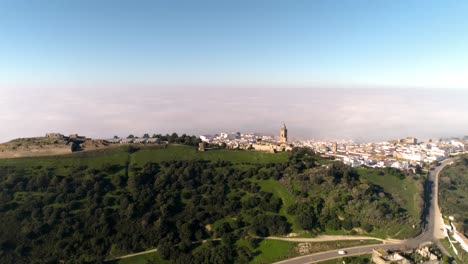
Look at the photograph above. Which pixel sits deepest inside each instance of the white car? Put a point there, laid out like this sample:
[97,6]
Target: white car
[342,252]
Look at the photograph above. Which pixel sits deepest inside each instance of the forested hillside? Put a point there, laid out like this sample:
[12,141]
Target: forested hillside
[194,207]
[453,193]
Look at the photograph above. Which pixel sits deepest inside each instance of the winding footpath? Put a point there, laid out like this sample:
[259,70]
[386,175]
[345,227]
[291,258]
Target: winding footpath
[432,232]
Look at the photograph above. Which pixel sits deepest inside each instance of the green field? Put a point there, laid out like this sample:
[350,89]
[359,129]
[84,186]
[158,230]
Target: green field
[273,250]
[407,192]
[120,155]
[142,259]
[404,191]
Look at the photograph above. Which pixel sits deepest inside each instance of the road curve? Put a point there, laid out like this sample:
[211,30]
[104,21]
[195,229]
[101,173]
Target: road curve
[431,233]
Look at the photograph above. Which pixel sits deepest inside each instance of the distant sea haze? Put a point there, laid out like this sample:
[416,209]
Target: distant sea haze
[358,114]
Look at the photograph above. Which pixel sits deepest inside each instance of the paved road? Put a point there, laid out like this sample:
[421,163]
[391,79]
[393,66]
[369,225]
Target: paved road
[332,254]
[432,231]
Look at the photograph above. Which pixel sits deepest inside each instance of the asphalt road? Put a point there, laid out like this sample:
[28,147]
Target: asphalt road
[333,254]
[432,231]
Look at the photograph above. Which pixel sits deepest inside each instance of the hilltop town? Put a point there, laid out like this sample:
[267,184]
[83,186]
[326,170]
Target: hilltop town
[405,154]
[402,154]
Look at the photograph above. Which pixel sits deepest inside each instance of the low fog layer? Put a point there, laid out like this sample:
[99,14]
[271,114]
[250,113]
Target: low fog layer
[358,114]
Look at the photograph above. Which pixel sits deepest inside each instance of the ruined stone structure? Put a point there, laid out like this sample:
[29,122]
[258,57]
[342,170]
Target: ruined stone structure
[51,144]
[54,135]
[201,147]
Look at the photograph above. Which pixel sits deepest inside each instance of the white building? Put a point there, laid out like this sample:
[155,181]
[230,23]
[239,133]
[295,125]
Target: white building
[127,140]
[206,138]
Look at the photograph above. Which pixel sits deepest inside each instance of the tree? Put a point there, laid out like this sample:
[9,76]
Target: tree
[367,227]
[173,138]
[117,180]
[244,255]
[306,220]
[165,249]
[347,224]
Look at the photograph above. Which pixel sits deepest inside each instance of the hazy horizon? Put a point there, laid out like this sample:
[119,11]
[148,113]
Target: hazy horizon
[327,113]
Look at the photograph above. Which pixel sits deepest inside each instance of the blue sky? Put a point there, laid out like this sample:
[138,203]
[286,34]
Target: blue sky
[283,43]
[107,67]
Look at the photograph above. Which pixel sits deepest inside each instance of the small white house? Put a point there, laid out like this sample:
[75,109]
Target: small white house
[127,140]
[114,140]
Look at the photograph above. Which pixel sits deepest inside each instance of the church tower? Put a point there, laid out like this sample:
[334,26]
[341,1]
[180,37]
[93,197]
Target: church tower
[283,134]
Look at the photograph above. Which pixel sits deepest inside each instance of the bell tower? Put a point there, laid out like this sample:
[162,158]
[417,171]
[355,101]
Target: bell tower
[283,134]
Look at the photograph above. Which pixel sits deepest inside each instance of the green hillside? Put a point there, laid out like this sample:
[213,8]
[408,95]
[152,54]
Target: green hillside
[97,205]
[140,156]
[453,193]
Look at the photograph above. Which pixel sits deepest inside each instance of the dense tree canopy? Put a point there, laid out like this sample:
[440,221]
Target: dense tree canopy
[85,214]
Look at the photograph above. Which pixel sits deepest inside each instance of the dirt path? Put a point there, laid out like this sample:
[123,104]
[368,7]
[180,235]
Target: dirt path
[334,238]
[135,254]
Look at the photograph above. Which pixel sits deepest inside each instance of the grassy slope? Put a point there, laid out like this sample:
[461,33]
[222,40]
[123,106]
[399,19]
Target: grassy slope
[462,255]
[405,191]
[270,251]
[453,194]
[275,187]
[92,159]
[120,155]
